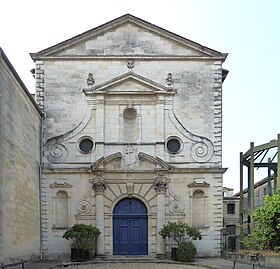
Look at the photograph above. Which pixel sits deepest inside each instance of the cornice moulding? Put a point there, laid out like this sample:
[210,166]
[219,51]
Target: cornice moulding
[37,57]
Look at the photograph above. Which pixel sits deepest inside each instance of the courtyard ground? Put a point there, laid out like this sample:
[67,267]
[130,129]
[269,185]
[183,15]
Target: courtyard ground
[201,263]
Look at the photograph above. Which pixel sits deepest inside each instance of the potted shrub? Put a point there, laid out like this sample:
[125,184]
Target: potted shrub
[182,233]
[83,238]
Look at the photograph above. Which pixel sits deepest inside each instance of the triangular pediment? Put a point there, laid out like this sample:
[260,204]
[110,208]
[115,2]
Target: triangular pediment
[129,83]
[127,35]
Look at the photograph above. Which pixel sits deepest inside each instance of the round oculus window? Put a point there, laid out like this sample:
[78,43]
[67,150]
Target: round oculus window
[173,145]
[130,113]
[86,145]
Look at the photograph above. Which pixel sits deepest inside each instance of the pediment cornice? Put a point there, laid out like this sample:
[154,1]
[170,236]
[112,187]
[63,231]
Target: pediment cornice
[150,86]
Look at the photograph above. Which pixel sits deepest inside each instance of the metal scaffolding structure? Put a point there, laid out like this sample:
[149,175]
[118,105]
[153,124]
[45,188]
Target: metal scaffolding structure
[253,159]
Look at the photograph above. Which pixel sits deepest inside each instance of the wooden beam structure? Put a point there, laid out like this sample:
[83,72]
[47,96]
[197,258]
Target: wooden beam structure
[254,158]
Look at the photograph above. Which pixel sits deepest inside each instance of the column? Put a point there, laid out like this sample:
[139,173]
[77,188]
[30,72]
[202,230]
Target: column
[99,186]
[160,186]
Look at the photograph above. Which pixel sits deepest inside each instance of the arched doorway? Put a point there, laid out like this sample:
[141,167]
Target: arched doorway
[130,228]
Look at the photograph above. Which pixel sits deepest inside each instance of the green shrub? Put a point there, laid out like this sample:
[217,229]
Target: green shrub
[186,252]
[265,233]
[254,241]
[182,233]
[82,236]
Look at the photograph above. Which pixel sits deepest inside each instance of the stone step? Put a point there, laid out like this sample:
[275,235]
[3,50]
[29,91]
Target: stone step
[121,259]
[127,259]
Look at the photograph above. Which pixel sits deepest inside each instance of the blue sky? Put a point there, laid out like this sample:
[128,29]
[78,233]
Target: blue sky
[248,30]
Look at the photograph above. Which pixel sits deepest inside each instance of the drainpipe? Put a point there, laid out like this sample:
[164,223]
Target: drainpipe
[40,183]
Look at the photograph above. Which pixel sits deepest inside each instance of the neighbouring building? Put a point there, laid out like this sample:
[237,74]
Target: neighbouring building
[20,128]
[261,189]
[231,214]
[132,138]
[231,221]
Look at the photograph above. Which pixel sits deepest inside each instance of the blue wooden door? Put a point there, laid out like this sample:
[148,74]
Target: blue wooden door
[130,228]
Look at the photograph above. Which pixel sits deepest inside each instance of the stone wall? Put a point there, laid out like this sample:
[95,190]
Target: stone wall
[194,91]
[265,260]
[181,202]
[19,168]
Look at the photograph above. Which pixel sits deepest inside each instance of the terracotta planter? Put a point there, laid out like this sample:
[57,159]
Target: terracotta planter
[79,255]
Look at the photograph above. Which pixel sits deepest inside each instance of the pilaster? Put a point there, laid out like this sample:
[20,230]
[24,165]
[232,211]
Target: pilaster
[99,186]
[160,186]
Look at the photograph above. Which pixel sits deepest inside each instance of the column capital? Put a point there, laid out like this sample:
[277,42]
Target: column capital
[99,185]
[161,184]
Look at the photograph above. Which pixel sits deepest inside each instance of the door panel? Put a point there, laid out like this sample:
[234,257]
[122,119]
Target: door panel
[130,229]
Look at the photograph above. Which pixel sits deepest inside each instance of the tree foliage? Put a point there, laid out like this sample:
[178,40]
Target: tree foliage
[265,235]
[83,236]
[180,232]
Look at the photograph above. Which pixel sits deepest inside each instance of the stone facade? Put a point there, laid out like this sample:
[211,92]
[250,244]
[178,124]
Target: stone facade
[19,167]
[132,111]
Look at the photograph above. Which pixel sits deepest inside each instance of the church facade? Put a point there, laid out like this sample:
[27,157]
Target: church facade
[132,138]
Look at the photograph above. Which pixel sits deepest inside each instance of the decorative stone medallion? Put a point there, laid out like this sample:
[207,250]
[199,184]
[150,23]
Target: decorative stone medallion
[176,206]
[83,207]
